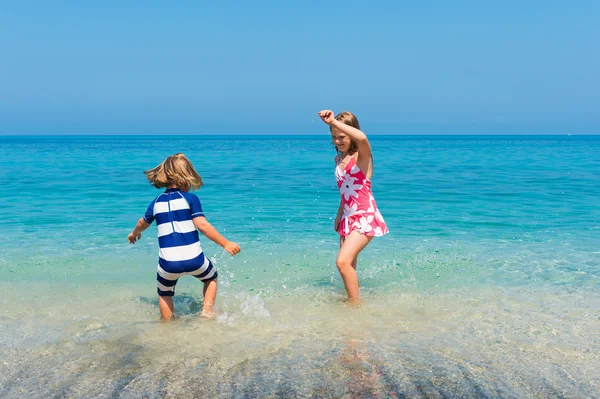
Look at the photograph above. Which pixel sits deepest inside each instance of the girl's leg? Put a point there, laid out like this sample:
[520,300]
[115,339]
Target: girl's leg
[355,261]
[210,295]
[346,261]
[165,304]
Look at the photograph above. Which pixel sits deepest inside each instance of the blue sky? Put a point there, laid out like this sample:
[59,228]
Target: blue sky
[220,67]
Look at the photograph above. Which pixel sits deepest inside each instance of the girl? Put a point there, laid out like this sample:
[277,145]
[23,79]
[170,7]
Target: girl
[178,214]
[358,219]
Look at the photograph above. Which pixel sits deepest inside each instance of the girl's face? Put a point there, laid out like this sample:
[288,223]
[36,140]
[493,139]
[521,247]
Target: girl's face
[340,140]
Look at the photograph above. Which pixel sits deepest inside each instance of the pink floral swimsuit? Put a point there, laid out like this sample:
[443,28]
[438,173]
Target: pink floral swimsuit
[360,210]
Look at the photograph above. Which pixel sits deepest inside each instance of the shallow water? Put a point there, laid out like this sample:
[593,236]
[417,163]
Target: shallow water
[487,286]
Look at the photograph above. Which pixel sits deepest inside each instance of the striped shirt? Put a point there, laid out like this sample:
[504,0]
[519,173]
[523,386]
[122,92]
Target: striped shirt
[178,241]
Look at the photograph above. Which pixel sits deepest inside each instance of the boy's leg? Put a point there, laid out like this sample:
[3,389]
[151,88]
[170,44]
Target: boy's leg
[210,295]
[165,304]
[166,282]
[351,247]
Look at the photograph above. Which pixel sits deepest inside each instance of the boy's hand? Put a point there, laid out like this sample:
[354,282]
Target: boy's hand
[327,116]
[232,248]
[132,238]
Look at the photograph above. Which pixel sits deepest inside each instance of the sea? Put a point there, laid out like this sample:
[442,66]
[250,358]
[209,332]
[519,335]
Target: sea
[487,286]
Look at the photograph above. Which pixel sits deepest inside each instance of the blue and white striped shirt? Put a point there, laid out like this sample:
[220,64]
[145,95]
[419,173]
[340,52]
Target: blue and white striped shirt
[178,241]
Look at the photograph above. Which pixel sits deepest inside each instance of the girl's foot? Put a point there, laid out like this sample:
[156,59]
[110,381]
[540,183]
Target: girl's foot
[354,302]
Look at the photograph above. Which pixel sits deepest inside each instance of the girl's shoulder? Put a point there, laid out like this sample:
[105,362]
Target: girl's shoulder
[337,159]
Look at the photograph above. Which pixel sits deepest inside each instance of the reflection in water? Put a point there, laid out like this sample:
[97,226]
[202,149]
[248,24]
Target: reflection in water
[362,372]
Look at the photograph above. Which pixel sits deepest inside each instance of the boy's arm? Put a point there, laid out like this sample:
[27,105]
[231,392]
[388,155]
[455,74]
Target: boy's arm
[212,234]
[136,234]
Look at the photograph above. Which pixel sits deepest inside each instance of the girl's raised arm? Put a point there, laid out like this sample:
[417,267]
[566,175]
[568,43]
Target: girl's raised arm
[364,148]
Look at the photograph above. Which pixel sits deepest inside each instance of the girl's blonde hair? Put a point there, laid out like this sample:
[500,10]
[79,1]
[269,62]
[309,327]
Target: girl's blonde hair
[175,170]
[349,119]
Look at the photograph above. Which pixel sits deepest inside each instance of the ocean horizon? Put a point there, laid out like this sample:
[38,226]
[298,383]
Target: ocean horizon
[300,136]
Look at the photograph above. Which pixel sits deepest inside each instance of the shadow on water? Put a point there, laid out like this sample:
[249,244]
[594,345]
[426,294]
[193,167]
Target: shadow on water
[350,368]
[350,371]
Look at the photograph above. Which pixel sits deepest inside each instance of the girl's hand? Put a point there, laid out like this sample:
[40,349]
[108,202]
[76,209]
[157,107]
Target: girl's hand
[232,248]
[336,223]
[327,116]
[132,238]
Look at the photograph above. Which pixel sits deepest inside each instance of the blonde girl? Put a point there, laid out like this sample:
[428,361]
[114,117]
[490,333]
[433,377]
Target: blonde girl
[358,220]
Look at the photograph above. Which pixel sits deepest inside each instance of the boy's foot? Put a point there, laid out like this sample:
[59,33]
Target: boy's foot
[208,314]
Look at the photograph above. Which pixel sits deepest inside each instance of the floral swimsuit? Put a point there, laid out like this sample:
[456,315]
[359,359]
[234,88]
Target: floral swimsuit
[360,210]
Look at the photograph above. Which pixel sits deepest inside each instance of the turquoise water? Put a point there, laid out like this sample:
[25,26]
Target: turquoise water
[487,286]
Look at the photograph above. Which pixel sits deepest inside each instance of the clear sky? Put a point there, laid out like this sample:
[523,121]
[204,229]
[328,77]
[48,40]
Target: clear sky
[196,67]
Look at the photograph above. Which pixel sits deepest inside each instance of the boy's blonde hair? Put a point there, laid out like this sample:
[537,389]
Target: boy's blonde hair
[349,119]
[175,170]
